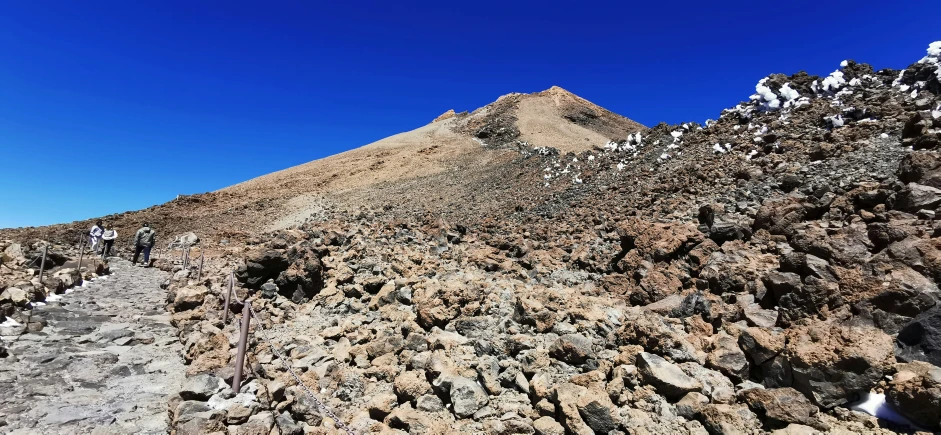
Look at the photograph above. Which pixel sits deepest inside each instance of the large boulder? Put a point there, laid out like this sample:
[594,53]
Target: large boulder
[915,197]
[467,396]
[781,406]
[260,266]
[920,339]
[188,298]
[830,363]
[572,348]
[915,391]
[669,380]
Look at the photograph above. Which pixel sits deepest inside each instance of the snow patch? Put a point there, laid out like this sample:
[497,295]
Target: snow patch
[844,64]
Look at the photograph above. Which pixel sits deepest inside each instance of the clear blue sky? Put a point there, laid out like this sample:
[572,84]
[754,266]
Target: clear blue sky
[107,106]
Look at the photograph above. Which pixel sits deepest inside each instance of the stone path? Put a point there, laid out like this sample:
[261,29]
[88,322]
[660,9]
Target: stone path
[106,363]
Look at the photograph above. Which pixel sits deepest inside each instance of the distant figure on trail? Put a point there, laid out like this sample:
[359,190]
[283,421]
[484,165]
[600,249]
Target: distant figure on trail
[108,237]
[95,235]
[143,241]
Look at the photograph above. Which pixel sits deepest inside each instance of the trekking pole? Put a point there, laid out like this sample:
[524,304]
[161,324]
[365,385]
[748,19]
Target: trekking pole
[199,273]
[243,343]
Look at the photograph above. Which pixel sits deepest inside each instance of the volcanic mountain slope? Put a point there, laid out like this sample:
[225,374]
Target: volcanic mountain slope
[459,158]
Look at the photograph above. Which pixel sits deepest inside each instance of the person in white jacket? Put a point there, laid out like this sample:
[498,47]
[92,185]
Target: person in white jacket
[94,235]
[108,237]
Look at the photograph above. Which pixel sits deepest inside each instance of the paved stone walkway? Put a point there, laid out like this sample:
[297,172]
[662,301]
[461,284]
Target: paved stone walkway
[105,364]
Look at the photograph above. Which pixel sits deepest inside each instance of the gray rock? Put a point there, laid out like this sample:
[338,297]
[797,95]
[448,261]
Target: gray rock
[429,403]
[467,396]
[288,426]
[201,387]
[667,378]
[598,413]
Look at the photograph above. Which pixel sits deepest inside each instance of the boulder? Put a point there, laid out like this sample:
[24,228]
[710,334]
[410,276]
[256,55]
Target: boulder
[920,339]
[830,363]
[201,387]
[467,396]
[548,426]
[669,380]
[15,296]
[188,298]
[915,197]
[260,266]
[915,391]
[572,348]
[728,358]
[781,406]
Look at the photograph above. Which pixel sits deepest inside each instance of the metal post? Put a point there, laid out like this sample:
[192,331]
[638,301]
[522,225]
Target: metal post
[243,343]
[199,273]
[228,296]
[42,264]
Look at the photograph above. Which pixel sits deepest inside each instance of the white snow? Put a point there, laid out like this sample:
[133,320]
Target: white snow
[835,120]
[934,49]
[664,156]
[834,82]
[884,135]
[788,94]
[751,154]
[855,82]
[766,97]
[621,166]
[915,93]
[904,88]
[844,64]
[676,134]
[10,322]
[935,114]
[52,297]
[874,404]
[736,127]
[591,157]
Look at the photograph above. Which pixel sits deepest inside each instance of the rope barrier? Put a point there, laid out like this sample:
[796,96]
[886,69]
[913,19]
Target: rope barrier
[310,394]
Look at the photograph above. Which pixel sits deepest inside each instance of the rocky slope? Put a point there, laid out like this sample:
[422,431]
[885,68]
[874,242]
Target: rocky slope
[757,273]
[451,161]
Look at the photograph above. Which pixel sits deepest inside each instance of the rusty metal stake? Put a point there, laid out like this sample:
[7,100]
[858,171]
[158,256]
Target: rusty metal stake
[228,296]
[243,343]
[199,273]
[42,264]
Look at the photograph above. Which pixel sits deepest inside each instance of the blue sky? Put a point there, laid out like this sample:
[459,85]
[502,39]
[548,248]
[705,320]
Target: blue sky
[110,106]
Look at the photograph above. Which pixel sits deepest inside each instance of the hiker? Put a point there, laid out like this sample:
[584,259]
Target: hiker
[108,238]
[95,235]
[143,241]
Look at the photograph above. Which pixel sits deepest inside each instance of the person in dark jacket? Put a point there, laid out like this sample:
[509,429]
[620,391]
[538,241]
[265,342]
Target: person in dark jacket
[144,241]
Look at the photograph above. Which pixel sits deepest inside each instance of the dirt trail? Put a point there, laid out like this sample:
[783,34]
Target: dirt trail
[105,364]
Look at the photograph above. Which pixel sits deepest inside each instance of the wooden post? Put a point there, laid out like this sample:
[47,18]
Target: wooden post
[42,264]
[243,343]
[81,253]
